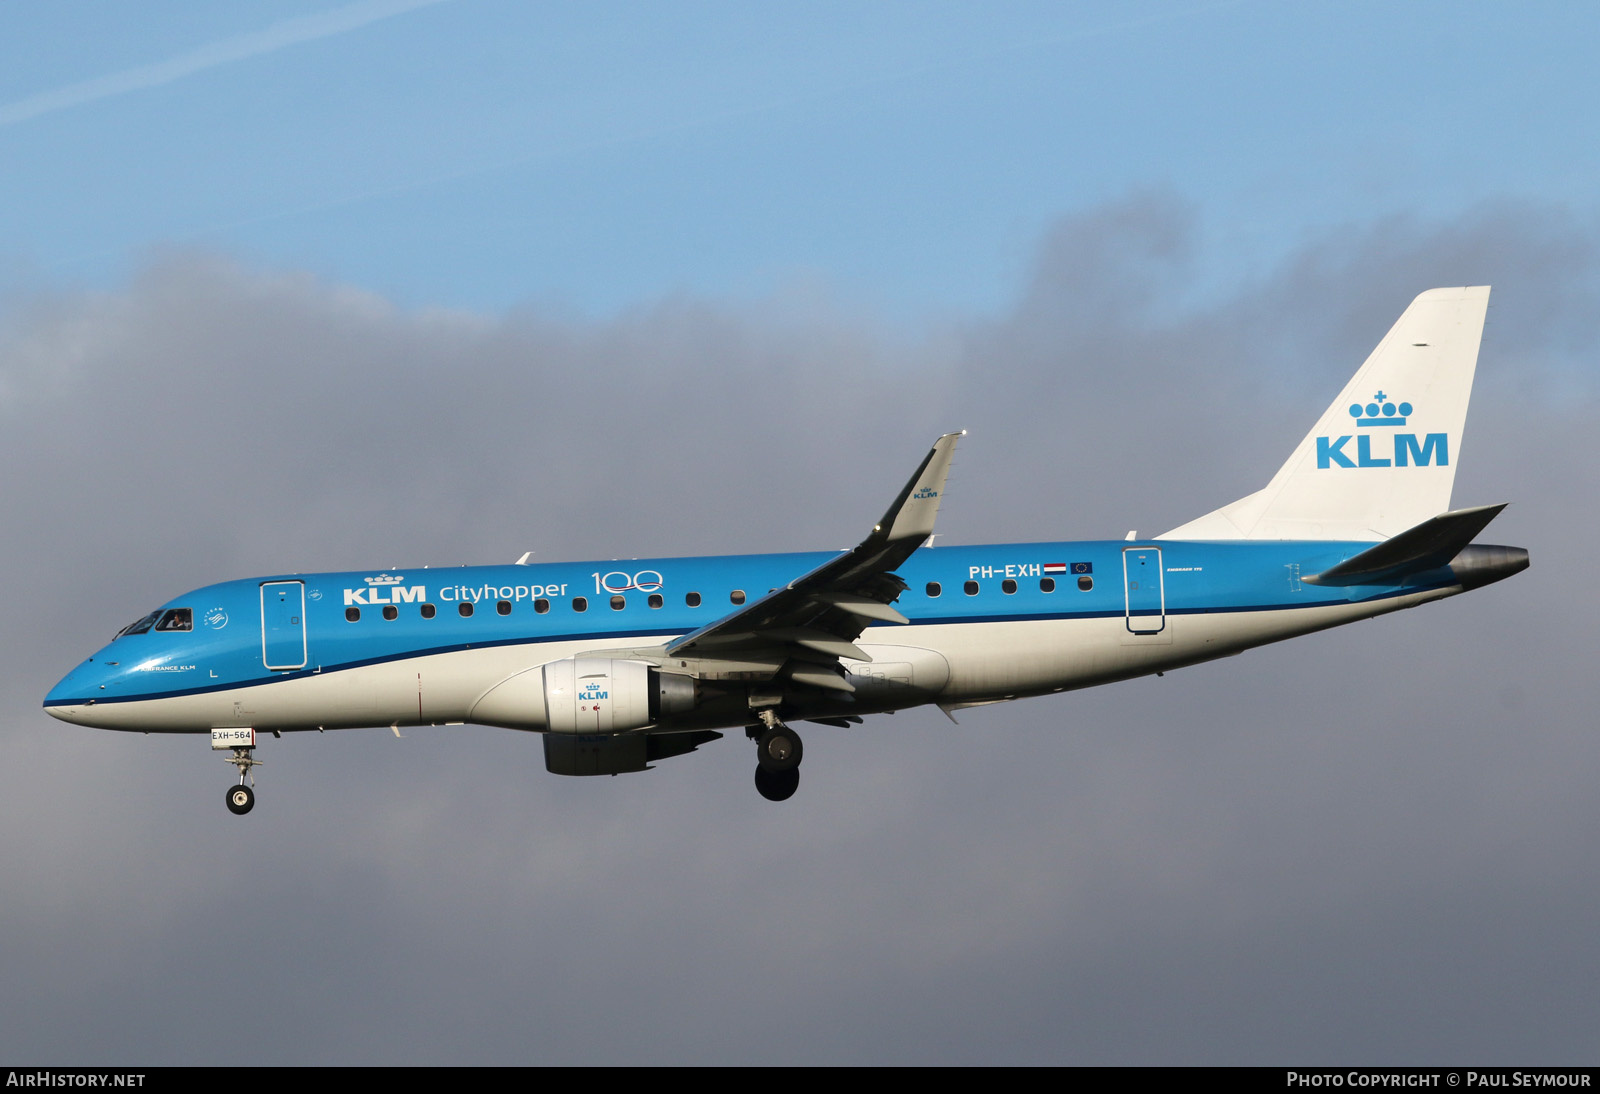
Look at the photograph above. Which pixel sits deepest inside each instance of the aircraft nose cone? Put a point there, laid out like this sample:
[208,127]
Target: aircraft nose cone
[75,694]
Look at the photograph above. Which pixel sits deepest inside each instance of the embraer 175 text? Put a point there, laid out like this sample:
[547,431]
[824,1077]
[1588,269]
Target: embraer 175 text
[623,664]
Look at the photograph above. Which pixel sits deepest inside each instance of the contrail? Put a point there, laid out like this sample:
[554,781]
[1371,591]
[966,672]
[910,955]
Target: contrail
[288,32]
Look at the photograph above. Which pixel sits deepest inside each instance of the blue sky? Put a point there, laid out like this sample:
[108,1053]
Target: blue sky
[482,155]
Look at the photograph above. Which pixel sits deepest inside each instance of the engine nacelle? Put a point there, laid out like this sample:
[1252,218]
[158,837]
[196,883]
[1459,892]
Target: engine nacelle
[588,695]
[593,695]
[618,753]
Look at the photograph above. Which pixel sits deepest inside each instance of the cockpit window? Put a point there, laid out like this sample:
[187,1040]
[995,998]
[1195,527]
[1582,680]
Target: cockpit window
[177,619]
[140,625]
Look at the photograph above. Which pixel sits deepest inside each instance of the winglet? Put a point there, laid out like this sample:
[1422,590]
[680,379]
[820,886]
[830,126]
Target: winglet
[912,515]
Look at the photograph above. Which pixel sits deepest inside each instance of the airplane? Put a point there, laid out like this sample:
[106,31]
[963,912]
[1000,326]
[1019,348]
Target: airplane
[622,664]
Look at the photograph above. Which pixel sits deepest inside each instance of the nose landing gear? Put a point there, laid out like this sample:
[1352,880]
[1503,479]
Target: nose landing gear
[778,754]
[242,798]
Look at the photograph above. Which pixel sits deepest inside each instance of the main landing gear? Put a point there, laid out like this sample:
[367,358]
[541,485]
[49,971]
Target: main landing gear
[778,753]
[242,798]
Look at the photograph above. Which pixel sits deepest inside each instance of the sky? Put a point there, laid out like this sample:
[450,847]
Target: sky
[300,287]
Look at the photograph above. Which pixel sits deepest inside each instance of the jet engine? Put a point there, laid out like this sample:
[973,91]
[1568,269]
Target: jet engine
[588,695]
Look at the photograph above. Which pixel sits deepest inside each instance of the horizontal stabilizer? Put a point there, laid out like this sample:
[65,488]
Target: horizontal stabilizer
[1429,545]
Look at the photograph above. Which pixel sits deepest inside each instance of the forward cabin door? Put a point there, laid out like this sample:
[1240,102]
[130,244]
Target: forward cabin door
[283,624]
[1144,590]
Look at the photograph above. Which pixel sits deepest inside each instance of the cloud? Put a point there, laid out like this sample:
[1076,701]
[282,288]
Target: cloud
[1370,844]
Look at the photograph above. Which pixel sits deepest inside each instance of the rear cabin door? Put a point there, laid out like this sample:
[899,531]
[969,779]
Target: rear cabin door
[1145,591]
[283,624]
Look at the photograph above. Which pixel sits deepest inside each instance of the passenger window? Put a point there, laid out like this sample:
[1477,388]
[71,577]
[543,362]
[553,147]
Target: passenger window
[541,605]
[1047,584]
[353,614]
[934,588]
[692,599]
[465,608]
[1008,586]
[178,619]
[390,611]
[580,603]
[503,607]
[737,596]
[618,603]
[1086,583]
[428,610]
[655,600]
[970,588]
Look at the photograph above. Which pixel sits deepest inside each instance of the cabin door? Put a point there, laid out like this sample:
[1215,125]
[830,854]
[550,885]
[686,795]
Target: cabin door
[1145,592]
[283,624]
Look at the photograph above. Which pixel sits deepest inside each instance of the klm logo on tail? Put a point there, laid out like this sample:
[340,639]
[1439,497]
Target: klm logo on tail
[1405,451]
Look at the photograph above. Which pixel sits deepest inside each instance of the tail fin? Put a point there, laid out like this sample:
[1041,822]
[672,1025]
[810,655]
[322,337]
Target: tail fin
[1382,458]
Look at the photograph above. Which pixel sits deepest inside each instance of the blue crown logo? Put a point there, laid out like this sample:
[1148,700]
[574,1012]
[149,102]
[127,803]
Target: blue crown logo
[1379,412]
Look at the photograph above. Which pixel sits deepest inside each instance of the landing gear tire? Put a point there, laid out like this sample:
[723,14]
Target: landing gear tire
[777,786]
[242,797]
[778,750]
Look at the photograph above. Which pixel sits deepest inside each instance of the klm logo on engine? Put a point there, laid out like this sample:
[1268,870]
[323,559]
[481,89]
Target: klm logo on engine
[386,589]
[1403,450]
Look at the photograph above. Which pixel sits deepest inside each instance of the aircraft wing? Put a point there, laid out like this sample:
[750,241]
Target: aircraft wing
[812,622]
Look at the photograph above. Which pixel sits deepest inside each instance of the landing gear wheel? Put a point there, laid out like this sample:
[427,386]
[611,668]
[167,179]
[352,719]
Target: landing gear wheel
[777,786]
[242,798]
[779,749]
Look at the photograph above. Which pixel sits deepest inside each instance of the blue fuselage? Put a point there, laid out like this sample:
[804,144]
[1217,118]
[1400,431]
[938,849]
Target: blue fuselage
[1091,610]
